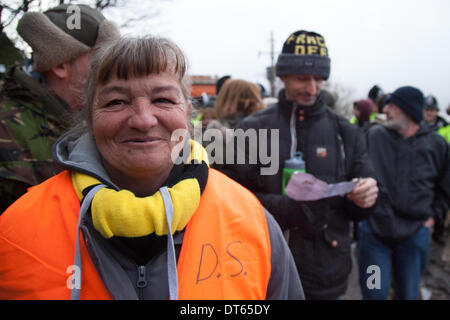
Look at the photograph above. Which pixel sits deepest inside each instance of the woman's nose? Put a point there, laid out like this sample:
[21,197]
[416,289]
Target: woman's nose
[143,117]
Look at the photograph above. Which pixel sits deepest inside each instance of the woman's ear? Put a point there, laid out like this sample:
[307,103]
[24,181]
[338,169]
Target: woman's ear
[61,71]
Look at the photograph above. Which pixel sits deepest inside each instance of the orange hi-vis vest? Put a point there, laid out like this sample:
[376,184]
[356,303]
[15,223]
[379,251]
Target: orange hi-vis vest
[225,252]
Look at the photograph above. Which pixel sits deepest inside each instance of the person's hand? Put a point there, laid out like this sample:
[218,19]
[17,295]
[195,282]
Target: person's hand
[365,193]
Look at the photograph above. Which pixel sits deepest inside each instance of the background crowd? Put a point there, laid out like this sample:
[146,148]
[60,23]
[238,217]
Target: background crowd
[63,113]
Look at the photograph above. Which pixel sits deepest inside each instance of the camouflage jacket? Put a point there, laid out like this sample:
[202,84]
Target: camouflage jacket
[31,118]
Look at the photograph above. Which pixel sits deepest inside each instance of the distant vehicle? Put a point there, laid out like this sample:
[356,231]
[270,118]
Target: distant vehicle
[203,90]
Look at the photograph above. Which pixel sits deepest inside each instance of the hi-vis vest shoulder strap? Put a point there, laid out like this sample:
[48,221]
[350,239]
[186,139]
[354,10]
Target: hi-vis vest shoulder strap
[225,252]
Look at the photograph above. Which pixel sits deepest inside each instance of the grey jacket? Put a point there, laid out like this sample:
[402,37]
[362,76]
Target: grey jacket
[128,278]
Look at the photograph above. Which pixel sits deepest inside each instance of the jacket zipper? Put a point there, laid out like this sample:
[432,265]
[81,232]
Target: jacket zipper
[141,281]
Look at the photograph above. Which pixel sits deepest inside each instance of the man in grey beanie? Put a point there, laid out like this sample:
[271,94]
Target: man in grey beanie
[334,151]
[36,105]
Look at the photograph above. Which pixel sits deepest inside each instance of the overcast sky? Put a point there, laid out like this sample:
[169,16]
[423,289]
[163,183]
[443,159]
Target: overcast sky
[389,43]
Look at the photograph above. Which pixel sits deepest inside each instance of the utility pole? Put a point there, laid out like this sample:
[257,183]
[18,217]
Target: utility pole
[270,71]
[272,66]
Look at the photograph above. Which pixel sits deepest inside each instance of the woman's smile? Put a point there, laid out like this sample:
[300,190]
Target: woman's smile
[142,142]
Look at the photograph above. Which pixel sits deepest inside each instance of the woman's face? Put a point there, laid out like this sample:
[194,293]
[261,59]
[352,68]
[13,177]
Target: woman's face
[132,123]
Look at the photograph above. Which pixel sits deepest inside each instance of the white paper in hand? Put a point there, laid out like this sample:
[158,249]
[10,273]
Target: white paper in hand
[305,187]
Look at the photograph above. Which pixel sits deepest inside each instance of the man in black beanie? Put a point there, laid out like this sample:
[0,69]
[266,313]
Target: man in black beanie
[412,166]
[334,151]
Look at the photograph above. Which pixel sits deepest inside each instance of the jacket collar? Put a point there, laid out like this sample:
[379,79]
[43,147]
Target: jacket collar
[440,122]
[423,130]
[285,107]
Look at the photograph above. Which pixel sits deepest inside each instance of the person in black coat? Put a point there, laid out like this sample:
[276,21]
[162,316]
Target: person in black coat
[412,167]
[334,151]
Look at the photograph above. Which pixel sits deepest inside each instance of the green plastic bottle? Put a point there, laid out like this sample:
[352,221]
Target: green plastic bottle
[292,165]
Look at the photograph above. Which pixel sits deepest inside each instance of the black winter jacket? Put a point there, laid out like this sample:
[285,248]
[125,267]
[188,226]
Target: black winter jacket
[414,181]
[334,150]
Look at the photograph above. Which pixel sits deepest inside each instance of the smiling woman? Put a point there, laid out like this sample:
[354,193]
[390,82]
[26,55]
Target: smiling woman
[132,122]
[127,220]
[138,94]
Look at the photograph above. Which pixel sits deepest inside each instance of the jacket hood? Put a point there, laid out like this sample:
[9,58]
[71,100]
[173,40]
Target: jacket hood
[76,150]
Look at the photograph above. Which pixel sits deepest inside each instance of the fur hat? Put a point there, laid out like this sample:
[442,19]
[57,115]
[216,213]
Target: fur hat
[64,33]
[410,100]
[304,52]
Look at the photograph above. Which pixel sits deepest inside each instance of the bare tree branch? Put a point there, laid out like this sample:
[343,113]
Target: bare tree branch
[12,10]
[102,4]
[144,16]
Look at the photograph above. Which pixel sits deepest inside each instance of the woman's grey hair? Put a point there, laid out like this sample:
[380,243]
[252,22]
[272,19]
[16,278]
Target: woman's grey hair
[135,57]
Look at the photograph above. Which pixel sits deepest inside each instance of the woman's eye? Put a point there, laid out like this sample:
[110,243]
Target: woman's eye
[164,100]
[115,102]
